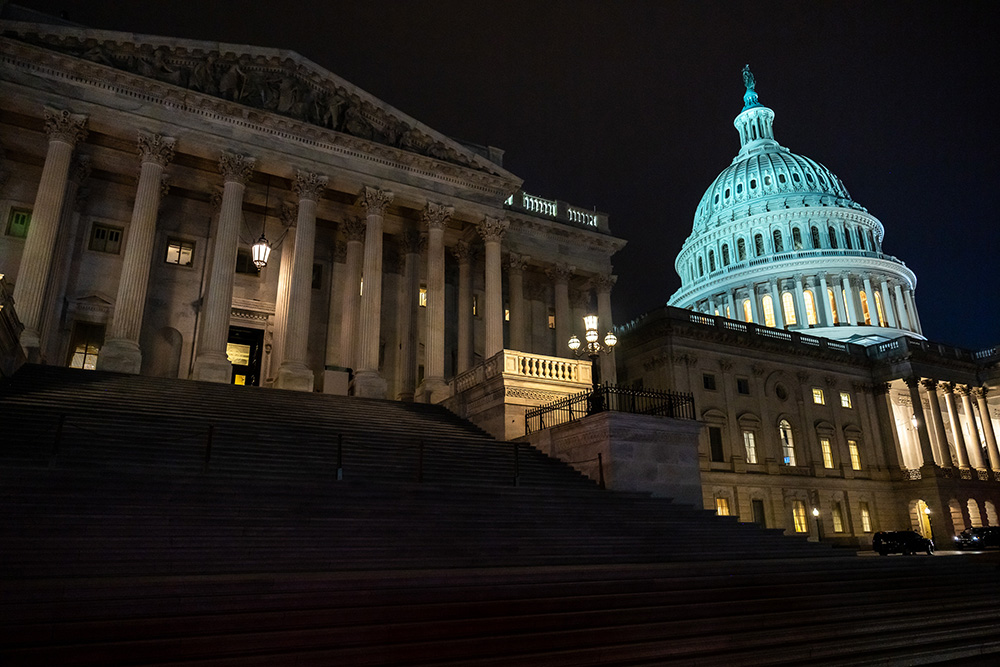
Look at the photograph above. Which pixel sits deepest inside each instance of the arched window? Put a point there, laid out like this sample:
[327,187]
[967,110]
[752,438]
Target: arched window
[796,238]
[847,238]
[864,307]
[815,237]
[807,296]
[871,241]
[787,444]
[758,244]
[747,311]
[878,309]
[833,305]
[701,267]
[768,310]
[788,308]
[833,237]
[711,261]
[741,250]
[777,241]
[725,255]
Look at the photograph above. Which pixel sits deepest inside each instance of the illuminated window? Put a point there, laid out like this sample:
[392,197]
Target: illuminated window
[818,397]
[722,506]
[552,319]
[799,516]
[506,314]
[807,296]
[423,297]
[747,311]
[768,310]
[864,307]
[866,517]
[878,309]
[361,287]
[104,238]
[824,443]
[85,345]
[833,305]
[750,444]
[845,399]
[852,446]
[475,311]
[788,308]
[18,222]
[778,245]
[179,252]
[787,444]
[838,518]
[741,250]
[729,314]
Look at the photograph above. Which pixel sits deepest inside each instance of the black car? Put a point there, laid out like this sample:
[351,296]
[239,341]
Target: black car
[902,542]
[978,538]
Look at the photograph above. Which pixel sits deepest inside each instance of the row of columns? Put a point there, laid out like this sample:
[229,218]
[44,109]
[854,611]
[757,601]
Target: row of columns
[933,441]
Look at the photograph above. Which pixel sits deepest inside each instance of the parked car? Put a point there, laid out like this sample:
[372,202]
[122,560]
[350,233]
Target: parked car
[902,542]
[978,538]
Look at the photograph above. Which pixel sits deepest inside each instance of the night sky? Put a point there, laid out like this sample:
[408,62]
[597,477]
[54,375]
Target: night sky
[628,107]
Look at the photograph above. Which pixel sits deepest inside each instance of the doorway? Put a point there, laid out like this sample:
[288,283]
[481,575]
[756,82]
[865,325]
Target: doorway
[245,349]
[757,512]
[85,344]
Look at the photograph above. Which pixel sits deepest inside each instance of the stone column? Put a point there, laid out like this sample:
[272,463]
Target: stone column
[286,272]
[972,442]
[515,286]
[121,351]
[463,253]
[604,285]
[956,427]
[731,302]
[350,292]
[850,310]
[943,453]
[890,316]
[368,382]
[824,298]
[294,372]
[914,316]
[800,302]
[926,450]
[754,305]
[435,218]
[492,231]
[408,305]
[904,319]
[212,364]
[987,422]
[559,274]
[64,130]
[779,316]
[872,308]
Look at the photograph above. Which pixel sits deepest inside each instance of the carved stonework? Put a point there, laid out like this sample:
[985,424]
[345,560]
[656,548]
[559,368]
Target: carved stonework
[604,283]
[354,228]
[288,213]
[560,273]
[829,380]
[978,392]
[411,242]
[463,252]
[308,185]
[236,168]
[61,125]
[436,216]
[517,263]
[215,199]
[340,252]
[802,376]
[962,389]
[725,364]
[757,370]
[156,148]
[80,171]
[164,186]
[492,229]
[374,201]
[929,384]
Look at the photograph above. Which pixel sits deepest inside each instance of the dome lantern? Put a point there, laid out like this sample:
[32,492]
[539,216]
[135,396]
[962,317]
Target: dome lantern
[755,121]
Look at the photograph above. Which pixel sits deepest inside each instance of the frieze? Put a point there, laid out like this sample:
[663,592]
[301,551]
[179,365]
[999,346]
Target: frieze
[533,394]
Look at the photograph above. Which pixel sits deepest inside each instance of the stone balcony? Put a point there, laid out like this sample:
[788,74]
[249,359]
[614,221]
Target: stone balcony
[558,210]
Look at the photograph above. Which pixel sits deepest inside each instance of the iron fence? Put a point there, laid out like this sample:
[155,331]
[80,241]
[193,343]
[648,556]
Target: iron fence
[610,398]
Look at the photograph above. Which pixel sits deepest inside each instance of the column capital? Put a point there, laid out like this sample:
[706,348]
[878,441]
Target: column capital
[80,169]
[309,185]
[912,382]
[61,125]
[411,241]
[493,229]
[560,273]
[463,252]
[881,388]
[604,282]
[374,201]
[354,228]
[962,389]
[929,384]
[156,148]
[436,216]
[978,392]
[517,263]
[947,387]
[236,168]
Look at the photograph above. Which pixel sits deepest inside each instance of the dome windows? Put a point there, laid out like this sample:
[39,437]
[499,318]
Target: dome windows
[815,237]
[753,183]
[727,193]
[716,197]
[767,179]
[781,178]
[741,250]
[788,308]
[809,177]
[778,245]
[796,238]
[739,188]
[725,255]
[711,261]
[701,267]
[848,243]
[796,177]
[758,244]
[833,238]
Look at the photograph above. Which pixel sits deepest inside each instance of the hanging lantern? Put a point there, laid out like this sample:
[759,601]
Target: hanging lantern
[261,250]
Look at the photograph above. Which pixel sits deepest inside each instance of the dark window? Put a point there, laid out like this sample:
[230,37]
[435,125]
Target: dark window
[780,391]
[815,237]
[833,238]
[743,385]
[711,260]
[796,238]
[17,223]
[701,267]
[741,250]
[715,440]
[179,252]
[781,178]
[778,246]
[708,380]
[725,255]
[106,239]
[847,239]
[317,279]
[244,263]
[758,244]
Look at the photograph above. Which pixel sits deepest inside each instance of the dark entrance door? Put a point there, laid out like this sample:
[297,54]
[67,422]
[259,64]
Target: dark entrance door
[244,351]
[757,508]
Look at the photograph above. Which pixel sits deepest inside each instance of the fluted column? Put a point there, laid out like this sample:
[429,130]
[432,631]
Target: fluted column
[988,432]
[800,302]
[463,253]
[515,285]
[824,298]
[354,231]
[943,453]
[603,285]
[779,316]
[435,218]
[559,274]
[956,427]
[212,364]
[294,372]
[890,316]
[121,349]
[850,309]
[408,304]
[904,319]
[923,437]
[731,302]
[870,298]
[972,441]
[914,316]
[64,130]
[367,381]
[754,305]
[492,231]
[286,273]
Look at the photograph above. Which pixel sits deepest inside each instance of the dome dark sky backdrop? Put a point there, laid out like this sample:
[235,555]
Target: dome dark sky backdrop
[628,107]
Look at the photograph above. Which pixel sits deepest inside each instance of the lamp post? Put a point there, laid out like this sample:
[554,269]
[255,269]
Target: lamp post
[593,349]
[819,527]
[927,513]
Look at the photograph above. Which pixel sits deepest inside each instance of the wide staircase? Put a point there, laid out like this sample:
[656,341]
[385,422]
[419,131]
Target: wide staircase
[147,521]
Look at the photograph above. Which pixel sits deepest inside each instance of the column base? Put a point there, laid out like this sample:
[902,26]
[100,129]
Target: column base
[369,384]
[432,390]
[213,367]
[295,376]
[121,356]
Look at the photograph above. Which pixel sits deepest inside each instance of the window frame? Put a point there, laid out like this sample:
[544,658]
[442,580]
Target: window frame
[750,446]
[845,400]
[819,396]
[11,213]
[96,227]
[826,446]
[181,245]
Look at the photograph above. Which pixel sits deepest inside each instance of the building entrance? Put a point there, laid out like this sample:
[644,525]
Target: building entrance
[244,349]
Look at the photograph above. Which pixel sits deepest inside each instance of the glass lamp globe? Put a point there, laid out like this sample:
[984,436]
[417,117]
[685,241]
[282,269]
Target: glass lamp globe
[610,340]
[591,335]
[574,343]
[590,322]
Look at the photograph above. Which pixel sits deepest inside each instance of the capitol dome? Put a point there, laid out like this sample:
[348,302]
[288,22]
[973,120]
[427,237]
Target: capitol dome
[778,241]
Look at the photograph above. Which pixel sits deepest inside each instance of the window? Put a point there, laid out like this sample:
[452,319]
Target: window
[815,237]
[715,443]
[753,183]
[708,381]
[244,263]
[85,345]
[725,255]
[847,238]
[781,178]
[824,444]
[506,313]
[819,398]
[807,296]
[838,518]
[179,252]
[711,261]
[796,177]
[722,506]
[787,444]
[552,319]
[701,267]
[866,517]
[767,180]
[879,311]
[104,238]
[778,246]
[833,305]
[758,244]
[750,444]
[852,446]
[422,297]
[864,307]
[788,308]
[747,311]
[741,250]
[18,222]
[739,188]
[768,310]
[796,238]
[743,386]
[845,399]
[317,276]
[833,237]
[799,516]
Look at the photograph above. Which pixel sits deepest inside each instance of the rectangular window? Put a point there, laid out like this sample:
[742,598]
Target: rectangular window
[85,344]
[852,445]
[722,506]
[552,319]
[317,277]
[708,381]
[506,314]
[799,516]
[750,443]
[866,517]
[104,238]
[845,399]
[743,386]
[244,263]
[17,223]
[838,518]
[818,397]
[179,252]
[827,452]
[715,440]
[423,298]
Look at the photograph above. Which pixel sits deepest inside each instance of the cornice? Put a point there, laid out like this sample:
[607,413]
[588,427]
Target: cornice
[595,240]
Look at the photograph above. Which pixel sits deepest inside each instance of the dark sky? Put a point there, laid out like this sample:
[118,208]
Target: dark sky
[628,106]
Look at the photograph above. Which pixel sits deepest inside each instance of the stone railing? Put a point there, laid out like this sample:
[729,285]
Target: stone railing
[558,210]
[514,364]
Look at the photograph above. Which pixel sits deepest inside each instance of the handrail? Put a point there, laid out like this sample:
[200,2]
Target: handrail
[612,398]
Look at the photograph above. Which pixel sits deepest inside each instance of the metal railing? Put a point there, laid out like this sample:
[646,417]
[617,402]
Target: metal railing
[610,398]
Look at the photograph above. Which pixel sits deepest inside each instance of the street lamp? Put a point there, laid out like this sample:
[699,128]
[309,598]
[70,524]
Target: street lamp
[927,513]
[819,528]
[594,348]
